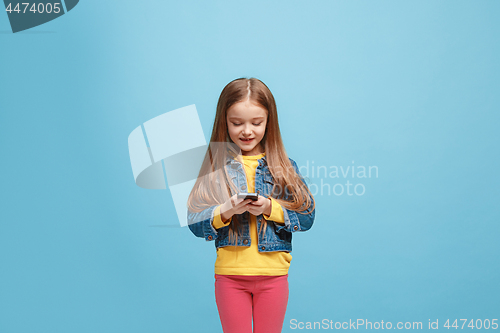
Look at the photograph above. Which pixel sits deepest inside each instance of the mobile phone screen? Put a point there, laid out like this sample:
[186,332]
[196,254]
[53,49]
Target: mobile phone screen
[245,196]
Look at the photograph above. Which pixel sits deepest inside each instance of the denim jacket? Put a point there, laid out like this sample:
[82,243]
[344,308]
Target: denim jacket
[277,237]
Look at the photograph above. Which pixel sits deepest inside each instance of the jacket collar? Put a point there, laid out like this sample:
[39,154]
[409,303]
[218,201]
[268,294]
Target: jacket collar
[233,157]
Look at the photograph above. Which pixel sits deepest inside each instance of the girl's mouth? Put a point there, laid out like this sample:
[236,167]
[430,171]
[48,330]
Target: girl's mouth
[246,140]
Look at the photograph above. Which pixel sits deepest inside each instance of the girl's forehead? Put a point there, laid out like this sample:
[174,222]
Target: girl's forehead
[246,110]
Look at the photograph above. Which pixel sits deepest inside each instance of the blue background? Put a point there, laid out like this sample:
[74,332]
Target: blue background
[408,86]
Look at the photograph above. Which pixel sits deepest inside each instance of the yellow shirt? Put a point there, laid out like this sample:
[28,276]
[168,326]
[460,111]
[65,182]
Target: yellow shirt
[247,260]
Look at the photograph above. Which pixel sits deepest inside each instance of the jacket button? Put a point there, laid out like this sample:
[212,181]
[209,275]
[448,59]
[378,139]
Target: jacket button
[295,228]
[258,191]
[209,238]
[242,187]
[263,248]
[245,241]
[234,166]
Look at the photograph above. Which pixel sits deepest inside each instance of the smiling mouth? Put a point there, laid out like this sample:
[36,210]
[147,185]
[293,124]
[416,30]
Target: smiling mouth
[247,140]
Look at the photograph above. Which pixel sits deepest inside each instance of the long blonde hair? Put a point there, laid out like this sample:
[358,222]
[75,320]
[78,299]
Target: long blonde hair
[214,185]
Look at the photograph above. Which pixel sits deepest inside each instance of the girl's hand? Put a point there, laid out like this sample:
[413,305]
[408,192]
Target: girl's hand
[233,206]
[261,206]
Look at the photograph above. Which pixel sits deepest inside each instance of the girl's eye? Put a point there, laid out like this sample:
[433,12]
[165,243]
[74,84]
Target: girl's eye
[235,124]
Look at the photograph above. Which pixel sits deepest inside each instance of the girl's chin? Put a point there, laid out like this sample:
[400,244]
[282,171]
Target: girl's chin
[246,148]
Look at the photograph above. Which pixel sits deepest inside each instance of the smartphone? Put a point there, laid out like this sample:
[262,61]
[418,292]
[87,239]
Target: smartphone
[244,196]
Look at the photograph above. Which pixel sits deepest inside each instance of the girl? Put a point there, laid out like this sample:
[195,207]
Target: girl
[252,237]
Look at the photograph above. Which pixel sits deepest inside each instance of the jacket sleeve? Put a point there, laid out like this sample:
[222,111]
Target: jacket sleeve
[277,214]
[201,224]
[295,221]
[217,222]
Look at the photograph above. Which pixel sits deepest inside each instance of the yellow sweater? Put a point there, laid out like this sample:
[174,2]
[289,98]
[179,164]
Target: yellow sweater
[247,260]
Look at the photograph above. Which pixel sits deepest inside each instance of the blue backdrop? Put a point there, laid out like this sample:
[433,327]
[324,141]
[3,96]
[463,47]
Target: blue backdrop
[409,88]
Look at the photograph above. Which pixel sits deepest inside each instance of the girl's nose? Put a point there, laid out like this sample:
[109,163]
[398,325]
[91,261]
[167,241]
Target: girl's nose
[247,130]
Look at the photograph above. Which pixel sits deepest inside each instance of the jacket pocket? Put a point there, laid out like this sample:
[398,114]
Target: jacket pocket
[268,184]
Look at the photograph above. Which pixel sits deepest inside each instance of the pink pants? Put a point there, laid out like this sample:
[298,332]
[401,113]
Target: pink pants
[240,298]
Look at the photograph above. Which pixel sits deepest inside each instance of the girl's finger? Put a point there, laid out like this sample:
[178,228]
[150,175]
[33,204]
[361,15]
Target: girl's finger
[245,202]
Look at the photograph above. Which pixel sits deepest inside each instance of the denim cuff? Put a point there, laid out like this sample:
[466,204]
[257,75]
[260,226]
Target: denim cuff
[209,231]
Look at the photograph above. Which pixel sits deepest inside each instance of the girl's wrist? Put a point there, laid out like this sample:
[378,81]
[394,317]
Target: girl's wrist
[270,207]
[225,214]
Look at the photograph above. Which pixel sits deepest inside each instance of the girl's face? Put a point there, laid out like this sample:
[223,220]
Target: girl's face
[246,123]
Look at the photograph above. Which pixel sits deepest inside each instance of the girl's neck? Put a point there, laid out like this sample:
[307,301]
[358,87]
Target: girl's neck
[252,156]
[258,150]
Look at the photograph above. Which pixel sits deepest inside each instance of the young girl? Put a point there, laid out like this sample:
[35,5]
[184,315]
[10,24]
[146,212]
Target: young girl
[252,237]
